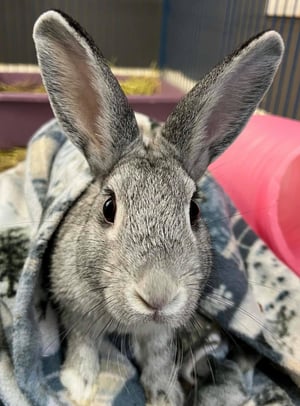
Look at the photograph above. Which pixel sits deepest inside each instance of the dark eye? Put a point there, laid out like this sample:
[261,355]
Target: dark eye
[194,212]
[109,209]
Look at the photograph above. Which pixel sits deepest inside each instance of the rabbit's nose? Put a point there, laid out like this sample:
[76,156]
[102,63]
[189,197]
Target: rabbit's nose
[165,302]
[157,293]
[154,302]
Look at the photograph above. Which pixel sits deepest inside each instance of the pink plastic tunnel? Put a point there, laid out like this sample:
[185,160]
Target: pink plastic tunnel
[261,174]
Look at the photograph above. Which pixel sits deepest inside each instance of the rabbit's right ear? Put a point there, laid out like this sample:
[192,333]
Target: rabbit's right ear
[84,94]
[214,112]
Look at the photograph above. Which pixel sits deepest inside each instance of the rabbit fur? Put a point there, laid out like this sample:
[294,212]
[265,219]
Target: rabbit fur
[143,273]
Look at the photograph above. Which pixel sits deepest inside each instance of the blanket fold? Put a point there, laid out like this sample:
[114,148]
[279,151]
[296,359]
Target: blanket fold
[250,311]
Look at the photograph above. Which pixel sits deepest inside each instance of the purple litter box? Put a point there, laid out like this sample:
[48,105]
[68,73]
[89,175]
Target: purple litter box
[21,114]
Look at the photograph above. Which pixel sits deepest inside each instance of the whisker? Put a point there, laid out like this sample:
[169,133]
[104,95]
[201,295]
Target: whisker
[174,369]
[222,300]
[198,329]
[99,306]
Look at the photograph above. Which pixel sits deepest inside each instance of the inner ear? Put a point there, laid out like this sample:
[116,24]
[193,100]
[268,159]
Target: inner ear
[81,97]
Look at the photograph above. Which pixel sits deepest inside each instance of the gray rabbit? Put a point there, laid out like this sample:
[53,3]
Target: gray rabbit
[133,254]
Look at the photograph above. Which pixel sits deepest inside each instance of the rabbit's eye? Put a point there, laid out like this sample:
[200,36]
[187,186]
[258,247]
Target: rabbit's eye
[194,212]
[109,209]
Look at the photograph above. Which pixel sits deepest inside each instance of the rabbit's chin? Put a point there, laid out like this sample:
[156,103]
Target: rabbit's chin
[147,324]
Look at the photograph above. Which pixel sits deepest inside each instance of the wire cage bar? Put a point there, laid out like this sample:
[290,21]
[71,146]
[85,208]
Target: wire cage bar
[196,35]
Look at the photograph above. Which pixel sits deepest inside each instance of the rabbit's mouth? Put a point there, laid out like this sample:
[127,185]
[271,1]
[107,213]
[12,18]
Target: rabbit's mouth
[161,318]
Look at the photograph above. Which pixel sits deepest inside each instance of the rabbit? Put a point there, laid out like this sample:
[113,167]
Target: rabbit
[133,254]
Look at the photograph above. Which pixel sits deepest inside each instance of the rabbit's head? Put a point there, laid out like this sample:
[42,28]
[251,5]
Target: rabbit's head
[145,242]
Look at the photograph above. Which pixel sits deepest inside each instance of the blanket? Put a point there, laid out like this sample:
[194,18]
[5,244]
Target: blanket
[244,350]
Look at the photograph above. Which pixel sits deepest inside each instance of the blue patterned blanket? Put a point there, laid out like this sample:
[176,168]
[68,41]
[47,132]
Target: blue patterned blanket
[247,351]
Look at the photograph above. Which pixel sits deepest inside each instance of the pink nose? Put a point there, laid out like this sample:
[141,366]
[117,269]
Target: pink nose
[157,302]
[156,291]
[153,303]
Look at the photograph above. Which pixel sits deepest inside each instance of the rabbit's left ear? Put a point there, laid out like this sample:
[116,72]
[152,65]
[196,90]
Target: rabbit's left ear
[84,94]
[213,113]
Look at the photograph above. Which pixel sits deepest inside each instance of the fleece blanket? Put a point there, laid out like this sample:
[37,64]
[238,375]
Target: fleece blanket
[244,350]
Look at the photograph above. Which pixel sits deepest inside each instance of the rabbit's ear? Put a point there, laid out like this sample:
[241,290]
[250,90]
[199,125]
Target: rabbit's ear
[207,120]
[84,94]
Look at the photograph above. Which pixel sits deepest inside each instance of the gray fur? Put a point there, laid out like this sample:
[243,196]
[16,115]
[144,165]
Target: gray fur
[86,98]
[111,277]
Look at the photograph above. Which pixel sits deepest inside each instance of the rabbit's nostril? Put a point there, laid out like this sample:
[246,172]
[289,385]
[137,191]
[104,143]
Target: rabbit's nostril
[150,304]
[155,303]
